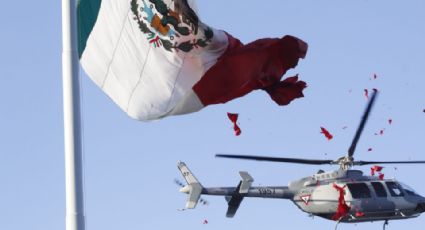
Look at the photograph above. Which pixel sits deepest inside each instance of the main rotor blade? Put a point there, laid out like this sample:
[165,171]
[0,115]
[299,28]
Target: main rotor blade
[277,159]
[386,162]
[362,124]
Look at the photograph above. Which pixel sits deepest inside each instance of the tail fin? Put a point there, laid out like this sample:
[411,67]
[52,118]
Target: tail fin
[193,187]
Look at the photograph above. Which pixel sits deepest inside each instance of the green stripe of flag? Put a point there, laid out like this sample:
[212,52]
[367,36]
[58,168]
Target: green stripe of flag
[87,11]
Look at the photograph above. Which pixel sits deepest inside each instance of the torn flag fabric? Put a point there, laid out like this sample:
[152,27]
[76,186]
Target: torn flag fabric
[156,58]
[233,117]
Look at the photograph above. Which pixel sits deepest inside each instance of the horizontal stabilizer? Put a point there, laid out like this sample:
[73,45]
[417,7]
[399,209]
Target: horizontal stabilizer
[194,195]
[234,202]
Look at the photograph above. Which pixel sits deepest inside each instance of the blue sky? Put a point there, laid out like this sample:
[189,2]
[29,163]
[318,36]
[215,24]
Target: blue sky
[130,166]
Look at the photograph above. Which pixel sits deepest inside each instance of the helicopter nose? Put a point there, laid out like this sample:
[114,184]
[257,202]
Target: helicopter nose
[420,207]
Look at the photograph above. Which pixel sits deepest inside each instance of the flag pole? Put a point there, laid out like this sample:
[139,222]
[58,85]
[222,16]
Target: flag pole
[75,219]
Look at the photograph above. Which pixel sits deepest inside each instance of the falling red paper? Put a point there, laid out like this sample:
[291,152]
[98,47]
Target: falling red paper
[366,93]
[234,118]
[326,133]
[369,149]
[375,76]
[374,169]
[359,214]
[381,132]
[238,130]
[343,208]
[381,176]
[205,222]
[390,121]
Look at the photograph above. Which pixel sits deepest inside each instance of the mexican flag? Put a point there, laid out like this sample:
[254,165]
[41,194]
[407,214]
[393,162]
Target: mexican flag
[156,58]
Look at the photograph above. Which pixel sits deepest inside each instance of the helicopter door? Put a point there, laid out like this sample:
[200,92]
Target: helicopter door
[361,196]
[359,190]
[394,189]
[379,189]
[383,203]
[398,196]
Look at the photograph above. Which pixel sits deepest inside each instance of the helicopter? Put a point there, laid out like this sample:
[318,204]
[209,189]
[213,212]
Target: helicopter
[344,195]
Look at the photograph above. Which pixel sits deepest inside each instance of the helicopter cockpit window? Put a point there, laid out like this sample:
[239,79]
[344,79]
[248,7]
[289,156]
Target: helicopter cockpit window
[379,189]
[394,188]
[408,189]
[359,190]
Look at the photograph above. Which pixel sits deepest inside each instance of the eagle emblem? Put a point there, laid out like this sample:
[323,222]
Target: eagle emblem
[175,27]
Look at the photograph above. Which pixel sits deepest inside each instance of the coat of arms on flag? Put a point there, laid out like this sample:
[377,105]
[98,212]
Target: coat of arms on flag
[156,58]
[163,26]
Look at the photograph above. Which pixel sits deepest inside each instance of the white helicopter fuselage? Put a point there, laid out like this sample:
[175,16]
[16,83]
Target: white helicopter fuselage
[368,197]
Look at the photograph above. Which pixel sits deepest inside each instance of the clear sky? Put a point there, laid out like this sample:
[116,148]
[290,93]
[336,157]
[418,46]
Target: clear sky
[130,166]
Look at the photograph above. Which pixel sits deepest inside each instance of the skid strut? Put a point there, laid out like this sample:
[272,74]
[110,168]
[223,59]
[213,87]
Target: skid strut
[385,224]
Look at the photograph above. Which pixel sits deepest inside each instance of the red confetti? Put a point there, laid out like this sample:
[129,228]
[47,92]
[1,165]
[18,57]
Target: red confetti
[390,121]
[326,133]
[343,208]
[375,76]
[369,149]
[359,214]
[381,132]
[205,222]
[374,169]
[234,118]
[381,176]
[366,93]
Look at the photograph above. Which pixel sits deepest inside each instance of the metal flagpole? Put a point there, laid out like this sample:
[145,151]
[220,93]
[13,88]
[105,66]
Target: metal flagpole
[75,219]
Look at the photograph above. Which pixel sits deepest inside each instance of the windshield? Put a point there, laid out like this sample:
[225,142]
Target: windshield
[409,190]
[394,189]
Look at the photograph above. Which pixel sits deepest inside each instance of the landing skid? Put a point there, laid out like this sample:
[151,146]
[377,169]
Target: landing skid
[385,224]
[336,226]
[339,221]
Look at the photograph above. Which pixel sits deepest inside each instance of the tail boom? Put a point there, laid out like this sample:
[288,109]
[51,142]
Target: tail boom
[233,195]
[278,192]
